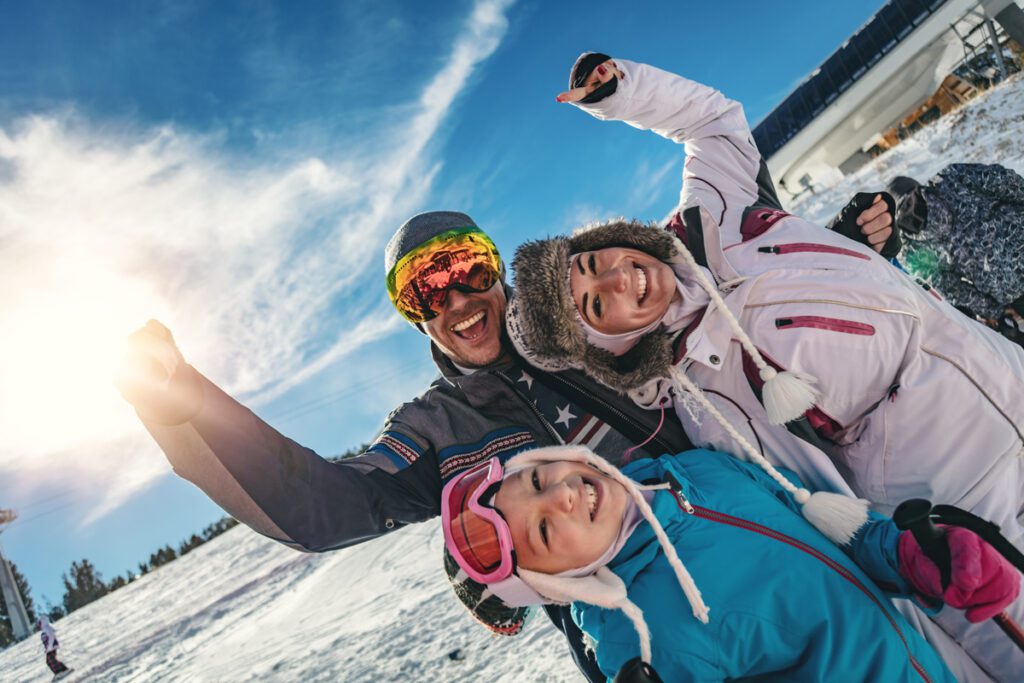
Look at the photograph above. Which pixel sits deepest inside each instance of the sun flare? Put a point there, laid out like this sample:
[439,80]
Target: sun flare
[57,355]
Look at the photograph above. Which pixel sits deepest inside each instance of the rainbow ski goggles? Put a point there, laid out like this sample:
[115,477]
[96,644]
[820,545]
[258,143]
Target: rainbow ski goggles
[464,259]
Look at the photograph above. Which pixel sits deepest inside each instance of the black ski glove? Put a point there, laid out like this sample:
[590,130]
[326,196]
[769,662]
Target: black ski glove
[846,222]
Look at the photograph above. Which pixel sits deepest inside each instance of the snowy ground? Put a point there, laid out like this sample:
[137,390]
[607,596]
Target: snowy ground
[244,608]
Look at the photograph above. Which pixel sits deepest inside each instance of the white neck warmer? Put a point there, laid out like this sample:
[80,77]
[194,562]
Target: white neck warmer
[688,299]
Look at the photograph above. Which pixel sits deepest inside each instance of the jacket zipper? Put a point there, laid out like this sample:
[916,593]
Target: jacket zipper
[550,430]
[823,323]
[640,428]
[722,518]
[800,247]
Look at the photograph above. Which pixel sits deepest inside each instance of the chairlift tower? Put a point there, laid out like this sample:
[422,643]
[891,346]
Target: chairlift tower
[9,588]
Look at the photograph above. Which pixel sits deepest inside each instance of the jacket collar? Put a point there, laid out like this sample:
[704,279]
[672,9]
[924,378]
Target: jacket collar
[642,546]
[710,338]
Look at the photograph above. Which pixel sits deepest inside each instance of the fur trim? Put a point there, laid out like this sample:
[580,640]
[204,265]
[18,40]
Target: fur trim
[542,320]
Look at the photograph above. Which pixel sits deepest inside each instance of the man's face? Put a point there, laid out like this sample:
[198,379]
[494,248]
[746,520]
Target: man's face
[562,515]
[619,289]
[468,329]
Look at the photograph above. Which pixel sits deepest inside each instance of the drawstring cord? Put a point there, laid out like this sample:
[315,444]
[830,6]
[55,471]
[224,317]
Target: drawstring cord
[627,455]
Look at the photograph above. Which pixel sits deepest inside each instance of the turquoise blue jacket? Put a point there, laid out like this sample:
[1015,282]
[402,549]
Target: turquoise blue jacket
[786,603]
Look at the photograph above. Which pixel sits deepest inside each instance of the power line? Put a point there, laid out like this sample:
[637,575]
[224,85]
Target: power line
[25,520]
[326,400]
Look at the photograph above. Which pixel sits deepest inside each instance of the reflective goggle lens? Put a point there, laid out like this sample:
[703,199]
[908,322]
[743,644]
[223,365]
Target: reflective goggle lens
[463,258]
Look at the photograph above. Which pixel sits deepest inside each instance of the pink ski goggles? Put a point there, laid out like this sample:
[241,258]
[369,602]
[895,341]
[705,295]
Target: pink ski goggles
[475,533]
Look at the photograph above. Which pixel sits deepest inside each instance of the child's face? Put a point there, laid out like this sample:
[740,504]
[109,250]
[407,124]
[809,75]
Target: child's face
[563,515]
[619,290]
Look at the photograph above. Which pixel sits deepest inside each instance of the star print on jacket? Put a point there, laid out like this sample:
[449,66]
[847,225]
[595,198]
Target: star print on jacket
[572,423]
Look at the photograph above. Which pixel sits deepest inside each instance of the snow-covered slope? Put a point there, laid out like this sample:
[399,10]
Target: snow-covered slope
[987,130]
[243,608]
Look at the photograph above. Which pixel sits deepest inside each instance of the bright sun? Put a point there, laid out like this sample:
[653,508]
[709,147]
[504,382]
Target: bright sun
[57,354]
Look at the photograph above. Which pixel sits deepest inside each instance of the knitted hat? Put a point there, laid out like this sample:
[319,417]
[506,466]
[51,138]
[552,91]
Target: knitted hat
[487,608]
[419,229]
[603,588]
[542,323]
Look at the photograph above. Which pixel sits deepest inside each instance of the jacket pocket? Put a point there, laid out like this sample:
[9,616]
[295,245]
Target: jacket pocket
[823,323]
[810,247]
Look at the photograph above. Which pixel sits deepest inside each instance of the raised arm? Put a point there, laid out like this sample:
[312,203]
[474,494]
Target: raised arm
[722,162]
[267,481]
[724,171]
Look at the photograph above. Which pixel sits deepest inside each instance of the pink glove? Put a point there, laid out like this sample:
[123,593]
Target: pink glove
[981,580]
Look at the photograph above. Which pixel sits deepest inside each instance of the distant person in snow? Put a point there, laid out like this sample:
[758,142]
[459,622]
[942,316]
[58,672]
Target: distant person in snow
[653,569]
[963,233]
[50,645]
[445,276]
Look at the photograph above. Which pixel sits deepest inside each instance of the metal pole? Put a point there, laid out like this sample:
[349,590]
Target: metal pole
[9,592]
[20,627]
[996,48]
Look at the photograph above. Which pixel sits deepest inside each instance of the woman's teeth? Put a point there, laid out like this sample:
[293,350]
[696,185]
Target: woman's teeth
[641,284]
[591,498]
[468,322]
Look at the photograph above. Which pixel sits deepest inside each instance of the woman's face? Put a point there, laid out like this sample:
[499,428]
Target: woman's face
[562,515]
[619,289]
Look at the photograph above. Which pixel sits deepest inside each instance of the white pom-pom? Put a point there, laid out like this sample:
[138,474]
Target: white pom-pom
[838,517]
[788,395]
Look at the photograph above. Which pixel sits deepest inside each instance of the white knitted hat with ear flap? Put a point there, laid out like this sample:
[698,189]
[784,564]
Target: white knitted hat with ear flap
[604,588]
[787,396]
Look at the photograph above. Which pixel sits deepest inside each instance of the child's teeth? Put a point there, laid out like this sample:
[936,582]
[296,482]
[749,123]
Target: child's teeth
[641,283]
[592,498]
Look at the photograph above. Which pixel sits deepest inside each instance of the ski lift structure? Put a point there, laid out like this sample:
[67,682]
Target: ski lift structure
[892,66]
[20,626]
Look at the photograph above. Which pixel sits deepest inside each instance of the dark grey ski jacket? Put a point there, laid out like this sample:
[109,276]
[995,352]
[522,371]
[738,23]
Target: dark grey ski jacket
[287,492]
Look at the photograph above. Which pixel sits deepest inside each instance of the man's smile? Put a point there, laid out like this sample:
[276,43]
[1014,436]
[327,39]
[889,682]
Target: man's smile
[472,327]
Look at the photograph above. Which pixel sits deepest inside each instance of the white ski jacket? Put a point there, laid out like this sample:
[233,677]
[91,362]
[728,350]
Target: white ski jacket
[48,636]
[917,400]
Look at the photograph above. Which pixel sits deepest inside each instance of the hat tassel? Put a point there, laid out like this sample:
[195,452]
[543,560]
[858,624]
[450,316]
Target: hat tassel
[837,516]
[787,395]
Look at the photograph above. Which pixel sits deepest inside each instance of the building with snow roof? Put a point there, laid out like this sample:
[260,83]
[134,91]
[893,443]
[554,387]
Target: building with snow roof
[884,71]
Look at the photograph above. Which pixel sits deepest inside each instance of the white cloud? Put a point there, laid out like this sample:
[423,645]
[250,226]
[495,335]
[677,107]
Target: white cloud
[649,184]
[267,272]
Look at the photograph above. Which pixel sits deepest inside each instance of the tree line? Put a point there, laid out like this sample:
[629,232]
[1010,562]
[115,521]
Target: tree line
[83,583]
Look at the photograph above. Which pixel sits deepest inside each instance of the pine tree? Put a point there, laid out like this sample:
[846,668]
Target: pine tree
[84,586]
[189,545]
[6,632]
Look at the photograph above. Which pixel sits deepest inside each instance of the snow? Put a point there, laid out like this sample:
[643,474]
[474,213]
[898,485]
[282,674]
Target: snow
[242,607]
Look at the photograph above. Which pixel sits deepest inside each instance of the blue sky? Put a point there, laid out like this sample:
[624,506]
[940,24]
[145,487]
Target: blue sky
[235,168]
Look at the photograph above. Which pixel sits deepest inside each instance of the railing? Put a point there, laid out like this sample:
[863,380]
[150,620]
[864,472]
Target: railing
[844,67]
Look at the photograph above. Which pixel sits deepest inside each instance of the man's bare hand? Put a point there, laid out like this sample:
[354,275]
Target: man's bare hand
[601,74]
[876,223]
[149,362]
